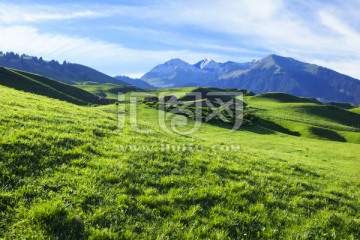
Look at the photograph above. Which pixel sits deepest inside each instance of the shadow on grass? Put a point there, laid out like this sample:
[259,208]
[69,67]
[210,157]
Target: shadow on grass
[276,127]
[258,129]
[333,114]
[327,134]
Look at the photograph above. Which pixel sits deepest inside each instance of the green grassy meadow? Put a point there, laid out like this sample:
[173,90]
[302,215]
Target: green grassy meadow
[69,172]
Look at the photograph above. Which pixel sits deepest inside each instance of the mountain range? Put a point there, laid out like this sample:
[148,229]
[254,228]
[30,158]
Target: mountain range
[65,72]
[271,74]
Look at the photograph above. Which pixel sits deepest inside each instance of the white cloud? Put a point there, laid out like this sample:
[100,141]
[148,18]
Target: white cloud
[346,66]
[113,59]
[11,13]
[266,24]
[327,37]
[270,24]
[349,37]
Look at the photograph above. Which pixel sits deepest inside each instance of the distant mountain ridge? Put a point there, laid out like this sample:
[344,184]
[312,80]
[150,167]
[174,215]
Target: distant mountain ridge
[271,74]
[135,82]
[37,84]
[69,73]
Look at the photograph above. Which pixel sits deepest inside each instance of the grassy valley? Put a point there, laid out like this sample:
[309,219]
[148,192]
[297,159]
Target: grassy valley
[69,172]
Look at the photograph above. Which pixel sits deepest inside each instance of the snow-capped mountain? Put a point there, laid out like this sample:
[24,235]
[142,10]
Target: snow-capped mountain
[270,74]
[176,72]
[207,64]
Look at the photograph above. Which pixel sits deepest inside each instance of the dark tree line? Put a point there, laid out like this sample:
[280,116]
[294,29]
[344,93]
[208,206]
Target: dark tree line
[15,56]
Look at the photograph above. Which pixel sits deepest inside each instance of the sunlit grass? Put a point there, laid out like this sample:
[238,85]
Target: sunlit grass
[65,173]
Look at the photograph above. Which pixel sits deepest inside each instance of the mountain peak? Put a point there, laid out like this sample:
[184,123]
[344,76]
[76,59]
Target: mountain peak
[207,64]
[170,69]
[270,57]
[287,64]
[207,60]
[175,61]
[276,58]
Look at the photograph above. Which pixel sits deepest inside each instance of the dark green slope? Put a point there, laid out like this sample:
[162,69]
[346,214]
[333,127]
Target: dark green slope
[41,85]
[66,72]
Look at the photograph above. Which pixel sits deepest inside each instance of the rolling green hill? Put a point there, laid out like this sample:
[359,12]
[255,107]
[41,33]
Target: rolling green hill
[41,85]
[69,172]
[70,73]
[305,117]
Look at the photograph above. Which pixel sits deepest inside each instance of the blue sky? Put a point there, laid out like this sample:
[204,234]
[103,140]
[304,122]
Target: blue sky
[131,37]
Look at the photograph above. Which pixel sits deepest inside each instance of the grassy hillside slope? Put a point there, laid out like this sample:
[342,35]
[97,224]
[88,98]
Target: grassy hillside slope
[305,117]
[41,85]
[68,172]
